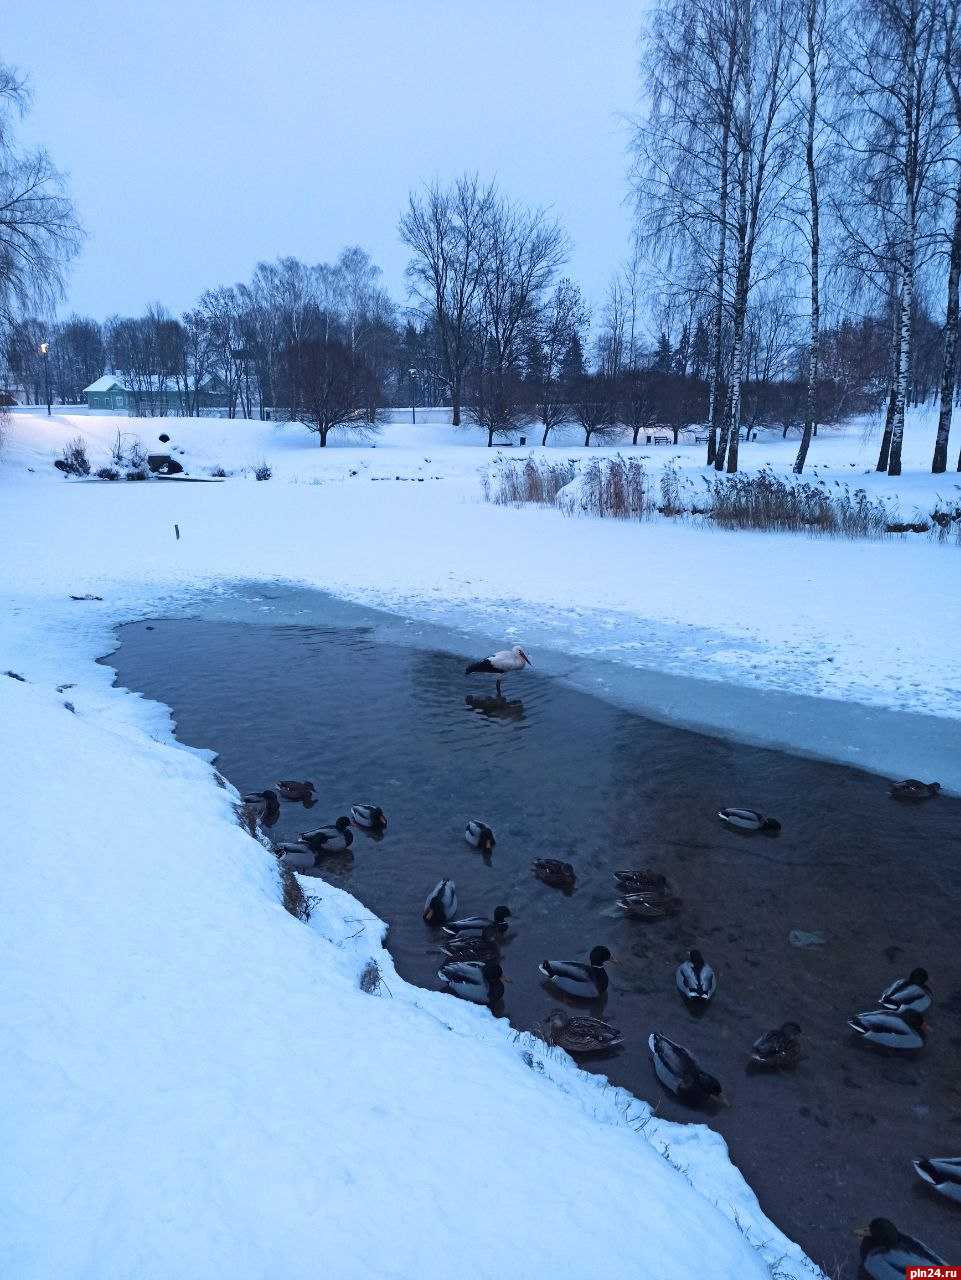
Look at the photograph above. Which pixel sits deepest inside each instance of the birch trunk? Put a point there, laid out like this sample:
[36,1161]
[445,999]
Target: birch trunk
[810,412]
[940,461]
[717,368]
[904,352]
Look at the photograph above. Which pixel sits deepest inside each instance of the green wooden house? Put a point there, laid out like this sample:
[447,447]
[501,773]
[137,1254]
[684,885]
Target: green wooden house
[159,398]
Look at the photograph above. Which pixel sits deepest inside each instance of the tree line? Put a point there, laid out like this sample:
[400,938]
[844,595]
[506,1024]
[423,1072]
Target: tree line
[806,155]
[753,177]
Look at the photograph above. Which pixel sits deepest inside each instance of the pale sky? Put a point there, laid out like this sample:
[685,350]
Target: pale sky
[202,136]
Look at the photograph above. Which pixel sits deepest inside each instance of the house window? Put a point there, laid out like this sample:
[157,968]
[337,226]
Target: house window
[118,401]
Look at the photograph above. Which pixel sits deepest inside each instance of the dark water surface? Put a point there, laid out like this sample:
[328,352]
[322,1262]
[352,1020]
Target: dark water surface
[557,772]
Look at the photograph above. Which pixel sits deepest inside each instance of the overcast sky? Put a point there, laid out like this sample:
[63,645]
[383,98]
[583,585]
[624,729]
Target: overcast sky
[201,138]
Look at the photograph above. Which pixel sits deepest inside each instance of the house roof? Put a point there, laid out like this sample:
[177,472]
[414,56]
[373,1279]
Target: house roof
[105,383]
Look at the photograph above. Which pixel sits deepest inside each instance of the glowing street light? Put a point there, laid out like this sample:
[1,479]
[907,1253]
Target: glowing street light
[44,351]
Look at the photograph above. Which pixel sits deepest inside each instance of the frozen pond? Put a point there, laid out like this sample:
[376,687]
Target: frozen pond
[558,772]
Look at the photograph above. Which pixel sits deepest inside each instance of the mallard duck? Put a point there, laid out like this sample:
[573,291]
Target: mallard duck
[552,871]
[749,820]
[679,1071]
[441,902]
[479,835]
[943,1173]
[500,664]
[638,881]
[296,855]
[370,817]
[330,839]
[886,1253]
[905,1030]
[296,790]
[581,1034]
[912,789]
[262,804]
[650,905]
[912,992]
[696,979]
[781,1048]
[472,948]
[474,980]
[480,926]
[586,981]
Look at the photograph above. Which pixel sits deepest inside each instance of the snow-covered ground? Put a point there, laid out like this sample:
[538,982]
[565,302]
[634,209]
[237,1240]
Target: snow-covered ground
[195,1084]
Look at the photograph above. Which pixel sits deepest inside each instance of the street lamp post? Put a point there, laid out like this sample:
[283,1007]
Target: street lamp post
[45,352]
[413,396]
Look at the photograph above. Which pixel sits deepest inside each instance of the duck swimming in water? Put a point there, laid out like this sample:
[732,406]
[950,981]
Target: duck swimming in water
[650,904]
[479,835]
[441,902]
[943,1173]
[912,992]
[749,820]
[585,981]
[781,1048]
[904,1030]
[472,948]
[473,980]
[296,790]
[696,979]
[886,1252]
[552,871]
[330,839]
[678,1070]
[480,926]
[370,817]
[581,1034]
[912,789]
[641,880]
[500,664]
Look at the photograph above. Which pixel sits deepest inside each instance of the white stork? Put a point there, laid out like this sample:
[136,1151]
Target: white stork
[501,664]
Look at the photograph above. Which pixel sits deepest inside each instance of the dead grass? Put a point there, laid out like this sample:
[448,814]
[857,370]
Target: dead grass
[292,895]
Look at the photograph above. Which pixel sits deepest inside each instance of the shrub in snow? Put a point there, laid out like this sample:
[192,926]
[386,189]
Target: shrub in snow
[617,487]
[768,502]
[136,455]
[107,473]
[137,474]
[262,471]
[370,980]
[516,481]
[219,472]
[74,461]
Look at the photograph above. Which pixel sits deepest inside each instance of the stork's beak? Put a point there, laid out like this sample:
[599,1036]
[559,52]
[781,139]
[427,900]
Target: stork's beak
[613,960]
[504,978]
[863,1232]
[527,660]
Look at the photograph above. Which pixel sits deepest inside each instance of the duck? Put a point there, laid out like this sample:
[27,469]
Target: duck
[296,855]
[696,980]
[586,981]
[296,790]
[886,1252]
[479,835]
[638,881]
[943,1173]
[749,820]
[262,804]
[552,871]
[482,982]
[441,902]
[581,1034]
[911,992]
[650,905]
[780,1048]
[913,789]
[370,817]
[904,1030]
[678,1070]
[472,948]
[479,926]
[330,839]
[500,664]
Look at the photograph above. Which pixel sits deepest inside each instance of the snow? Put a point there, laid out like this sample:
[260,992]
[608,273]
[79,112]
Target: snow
[195,1084]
